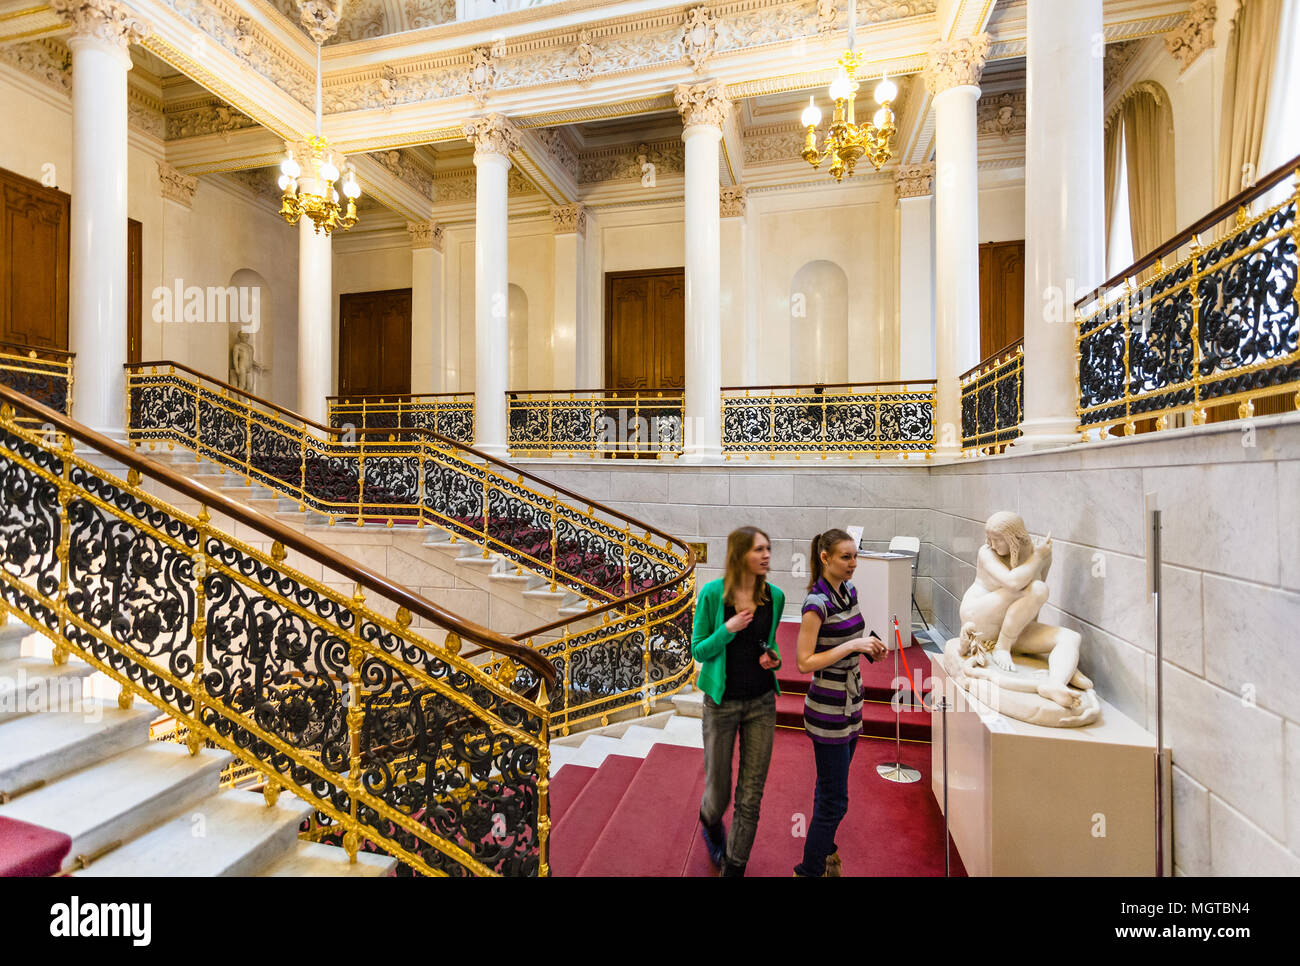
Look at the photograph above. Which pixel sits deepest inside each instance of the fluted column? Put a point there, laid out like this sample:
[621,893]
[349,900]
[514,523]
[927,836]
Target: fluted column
[704,109]
[101,31]
[494,138]
[952,77]
[569,324]
[426,306]
[1064,206]
[914,187]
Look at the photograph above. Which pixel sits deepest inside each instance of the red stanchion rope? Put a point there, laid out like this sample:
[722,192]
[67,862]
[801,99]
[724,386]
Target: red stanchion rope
[903,654]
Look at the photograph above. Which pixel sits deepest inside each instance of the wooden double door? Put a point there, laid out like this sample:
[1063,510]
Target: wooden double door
[645,329]
[375,343]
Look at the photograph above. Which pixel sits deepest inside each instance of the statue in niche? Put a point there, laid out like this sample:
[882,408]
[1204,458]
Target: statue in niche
[999,622]
[243,364]
[646,165]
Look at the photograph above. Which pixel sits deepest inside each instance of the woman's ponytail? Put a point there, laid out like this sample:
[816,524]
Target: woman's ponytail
[823,543]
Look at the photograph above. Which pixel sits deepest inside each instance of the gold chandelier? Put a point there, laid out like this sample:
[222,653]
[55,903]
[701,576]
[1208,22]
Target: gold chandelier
[847,141]
[321,202]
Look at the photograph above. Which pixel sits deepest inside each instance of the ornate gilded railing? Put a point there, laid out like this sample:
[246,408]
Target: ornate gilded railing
[43,374]
[635,422]
[1212,325]
[993,401]
[843,419]
[449,414]
[394,739]
[632,647]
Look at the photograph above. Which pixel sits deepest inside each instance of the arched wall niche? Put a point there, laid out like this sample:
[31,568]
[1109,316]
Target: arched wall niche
[254,314]
[819,323]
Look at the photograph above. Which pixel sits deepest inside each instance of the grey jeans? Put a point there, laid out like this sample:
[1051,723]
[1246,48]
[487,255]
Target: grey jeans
[755,721]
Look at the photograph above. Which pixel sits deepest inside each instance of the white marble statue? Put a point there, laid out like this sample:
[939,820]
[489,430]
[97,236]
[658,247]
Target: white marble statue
[999,621]
[243,363]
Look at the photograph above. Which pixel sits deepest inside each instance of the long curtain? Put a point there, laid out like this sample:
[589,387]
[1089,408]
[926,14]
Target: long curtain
[1114,155]
[1149,163]
[1247,75]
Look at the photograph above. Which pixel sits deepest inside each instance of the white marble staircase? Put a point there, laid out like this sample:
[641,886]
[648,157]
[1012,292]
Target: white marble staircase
[633,738]
[73,761]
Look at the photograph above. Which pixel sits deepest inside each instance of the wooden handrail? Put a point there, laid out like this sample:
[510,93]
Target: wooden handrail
[24,349]
[1183,237]
[329,430]
[837,385]
[989,359]
[289,538]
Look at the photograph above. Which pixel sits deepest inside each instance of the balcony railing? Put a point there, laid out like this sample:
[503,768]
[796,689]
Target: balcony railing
[633,422]
[449,414]
[843,419]
[993,401]
[41,374]
[1211,326]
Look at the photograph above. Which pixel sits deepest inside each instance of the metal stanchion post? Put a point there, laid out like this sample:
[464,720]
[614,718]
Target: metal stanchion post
[896,771]
[947,839]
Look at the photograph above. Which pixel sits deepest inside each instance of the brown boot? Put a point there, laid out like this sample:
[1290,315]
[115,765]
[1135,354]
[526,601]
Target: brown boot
[834,867]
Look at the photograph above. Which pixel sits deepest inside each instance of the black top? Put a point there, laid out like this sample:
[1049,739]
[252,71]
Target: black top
[746,679]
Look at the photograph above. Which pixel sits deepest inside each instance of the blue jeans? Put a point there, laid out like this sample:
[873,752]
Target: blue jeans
[830,804]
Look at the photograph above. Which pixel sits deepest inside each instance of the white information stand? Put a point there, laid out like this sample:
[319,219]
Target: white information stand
[884,585]
[1028,800]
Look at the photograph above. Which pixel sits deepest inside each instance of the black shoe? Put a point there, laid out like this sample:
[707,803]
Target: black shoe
[733,870]
[715,840]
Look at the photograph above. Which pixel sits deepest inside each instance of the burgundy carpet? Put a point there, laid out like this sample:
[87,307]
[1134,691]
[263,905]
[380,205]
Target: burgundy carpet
[29,850]
[634,817]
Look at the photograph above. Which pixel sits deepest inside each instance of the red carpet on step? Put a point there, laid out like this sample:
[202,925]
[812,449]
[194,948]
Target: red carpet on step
[30,850]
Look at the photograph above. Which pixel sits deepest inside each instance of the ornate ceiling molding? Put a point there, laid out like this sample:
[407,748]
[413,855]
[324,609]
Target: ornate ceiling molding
[425,235]
[107,20]
[914,180]
[774,143]
[403,166]
[1194,35]
[619,162]
[176,186]
[1001,115]
[569,219]
[705,104]
[48,61]
[732,201]
[492,134]
[209,116]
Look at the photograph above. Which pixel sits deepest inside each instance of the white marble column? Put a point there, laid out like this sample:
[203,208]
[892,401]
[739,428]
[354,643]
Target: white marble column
[570,224]
[704,109]
[1064,206]
[426,307]
[734,306]
[101,32]
[914,186]
[494,138]
[315,316]
[952,76]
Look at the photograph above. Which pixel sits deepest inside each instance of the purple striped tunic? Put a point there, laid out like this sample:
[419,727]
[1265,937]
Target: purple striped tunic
[832,709]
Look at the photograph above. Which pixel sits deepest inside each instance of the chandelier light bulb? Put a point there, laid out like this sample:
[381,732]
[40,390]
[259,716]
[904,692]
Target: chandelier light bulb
[329,171]
[284,182]
[290,168]
[886,91]
[812,114]
[881,118]
[350,187]
[841,88]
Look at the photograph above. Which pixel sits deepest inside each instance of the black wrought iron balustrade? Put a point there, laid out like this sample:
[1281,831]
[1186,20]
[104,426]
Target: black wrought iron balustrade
[1213,324]
[447,414]
[629,422]
[41,374]
[878,419]
[992,401]
[397,742]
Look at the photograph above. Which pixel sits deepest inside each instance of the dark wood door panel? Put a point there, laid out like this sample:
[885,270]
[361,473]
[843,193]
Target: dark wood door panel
[375,343]
[34,249]
[1002,295]
[645,329]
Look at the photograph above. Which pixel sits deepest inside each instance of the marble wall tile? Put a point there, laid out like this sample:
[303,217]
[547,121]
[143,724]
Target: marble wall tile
[1293,786]
[679,519]
[828,489]
[1239,847]
[1117,668]
[909,490]
[763,489]
[1233,750]
[701,489]
[782,551]
[792,523]
[1219,518]
[631,486]
[1181,614]
[913,523]
[410,570]
[1104,589]
[879,525]
[1288,521]
[1191,812]
[1097,508]
[467,602]
[1250,640]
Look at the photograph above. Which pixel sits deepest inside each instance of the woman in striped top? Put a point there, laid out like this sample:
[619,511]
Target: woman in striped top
[830,640]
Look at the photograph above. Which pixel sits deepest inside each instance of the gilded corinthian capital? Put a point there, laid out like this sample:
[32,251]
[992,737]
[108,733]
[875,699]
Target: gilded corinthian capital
[956,63]
[492,134]
[702,104]
[105,20]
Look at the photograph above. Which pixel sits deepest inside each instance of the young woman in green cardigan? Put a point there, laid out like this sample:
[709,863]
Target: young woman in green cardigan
[735,644]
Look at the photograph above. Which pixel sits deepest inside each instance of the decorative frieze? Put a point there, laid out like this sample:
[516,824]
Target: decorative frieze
[425,234]
[176,186]
[557,146]
[1118,56]
[48,61]
[956,63]
[699,35]
[105,20]
[144,111]
[482,72]
[1194,35]
[826,13]
[732,201]
[406,170]
[260,182]
[320,18]
[702,104]
[914,180]
[584,57]
[492,134]
[210,118]
[774,143]
[569,219]
[1001,115]
[618,164]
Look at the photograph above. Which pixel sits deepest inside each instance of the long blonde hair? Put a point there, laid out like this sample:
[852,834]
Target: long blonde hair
[735,575]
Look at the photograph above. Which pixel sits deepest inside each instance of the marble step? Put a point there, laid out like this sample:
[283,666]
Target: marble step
[114,801]
[312,859]
[12,636]
[637,734]
[689,704]
[33,684]
[597,748]
[38,748]
[227,834]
